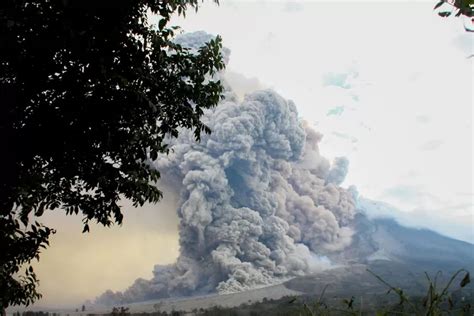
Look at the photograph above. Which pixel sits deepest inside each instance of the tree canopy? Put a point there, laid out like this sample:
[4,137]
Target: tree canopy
[88,90]
[460,8]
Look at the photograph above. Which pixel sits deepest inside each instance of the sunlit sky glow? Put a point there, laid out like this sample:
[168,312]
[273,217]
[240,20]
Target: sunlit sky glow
[387,83]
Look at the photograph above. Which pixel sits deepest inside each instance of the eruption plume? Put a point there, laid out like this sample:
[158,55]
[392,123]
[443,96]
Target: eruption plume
[258,203]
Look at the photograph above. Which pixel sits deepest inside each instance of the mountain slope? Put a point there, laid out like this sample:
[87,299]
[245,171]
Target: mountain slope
[400,255]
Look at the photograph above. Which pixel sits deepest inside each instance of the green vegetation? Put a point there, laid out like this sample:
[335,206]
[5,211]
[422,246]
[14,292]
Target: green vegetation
[437,301]
[89,90]
[442,298]
[458,8]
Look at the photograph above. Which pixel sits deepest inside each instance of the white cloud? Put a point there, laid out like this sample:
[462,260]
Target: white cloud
[413,88]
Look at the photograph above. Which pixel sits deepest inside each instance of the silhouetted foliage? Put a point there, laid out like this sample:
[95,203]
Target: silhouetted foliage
[457,8]
[120,311]
[89,90]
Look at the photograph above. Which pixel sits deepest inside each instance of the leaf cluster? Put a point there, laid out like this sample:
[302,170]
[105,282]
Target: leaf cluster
[459,8]
[436,302]
[89,92]
[17,248]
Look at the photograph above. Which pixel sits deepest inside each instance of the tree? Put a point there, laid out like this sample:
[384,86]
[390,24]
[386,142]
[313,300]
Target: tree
[463,8]
[88,91]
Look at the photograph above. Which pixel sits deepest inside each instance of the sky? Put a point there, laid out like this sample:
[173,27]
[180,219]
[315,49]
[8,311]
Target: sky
[387,83]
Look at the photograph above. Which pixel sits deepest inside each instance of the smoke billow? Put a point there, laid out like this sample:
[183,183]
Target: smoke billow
[258,203]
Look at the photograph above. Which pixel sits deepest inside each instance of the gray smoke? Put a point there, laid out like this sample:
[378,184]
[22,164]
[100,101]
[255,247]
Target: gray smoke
[195,40]
[258,203]
[338,171]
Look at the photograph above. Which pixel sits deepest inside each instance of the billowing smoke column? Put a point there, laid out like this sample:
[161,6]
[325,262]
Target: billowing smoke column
[258,203]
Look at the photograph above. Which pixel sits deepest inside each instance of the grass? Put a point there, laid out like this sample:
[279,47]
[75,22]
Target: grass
[449,298]
[437,301]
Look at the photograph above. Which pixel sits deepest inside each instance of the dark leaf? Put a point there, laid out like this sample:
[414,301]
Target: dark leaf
[162,24]
[438,5]
[85,229]
[466,280]
[444,14]
[450,302]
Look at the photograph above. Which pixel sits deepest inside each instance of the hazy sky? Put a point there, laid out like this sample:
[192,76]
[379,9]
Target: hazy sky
[77,266]
[388,84]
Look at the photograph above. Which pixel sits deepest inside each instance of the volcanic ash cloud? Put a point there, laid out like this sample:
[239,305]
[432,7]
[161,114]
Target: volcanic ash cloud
[258,203]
